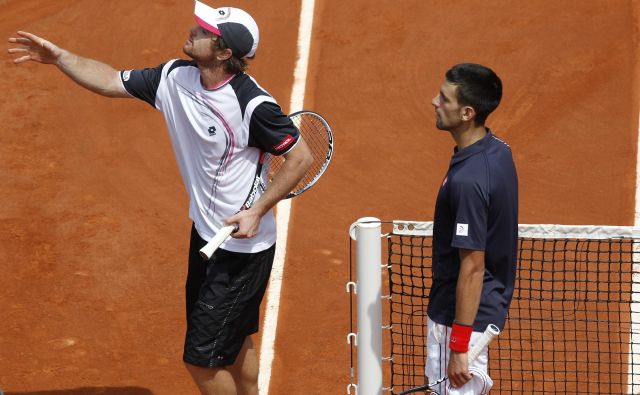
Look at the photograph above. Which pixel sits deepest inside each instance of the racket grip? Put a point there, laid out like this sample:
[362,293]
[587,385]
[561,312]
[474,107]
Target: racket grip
[489,334]
[207,251]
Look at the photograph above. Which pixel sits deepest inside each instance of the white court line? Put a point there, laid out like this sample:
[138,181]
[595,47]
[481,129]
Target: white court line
[634,349]
[636,221]
[284,207]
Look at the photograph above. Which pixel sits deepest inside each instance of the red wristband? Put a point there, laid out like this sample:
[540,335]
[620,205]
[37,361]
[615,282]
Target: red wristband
[460,336]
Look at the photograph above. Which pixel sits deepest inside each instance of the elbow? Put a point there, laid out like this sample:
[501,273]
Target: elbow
[300,157]
[478,274]
[114,91]
[104,90]
[473,270]
[470,276]
[114,87]
[476,269]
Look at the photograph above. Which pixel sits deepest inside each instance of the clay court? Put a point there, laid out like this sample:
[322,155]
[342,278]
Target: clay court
[94,220]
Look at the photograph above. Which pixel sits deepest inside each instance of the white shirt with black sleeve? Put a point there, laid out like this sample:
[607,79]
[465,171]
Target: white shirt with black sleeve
[217,136]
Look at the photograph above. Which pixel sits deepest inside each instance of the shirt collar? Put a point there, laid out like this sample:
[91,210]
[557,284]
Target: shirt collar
[467,152]
[221,84]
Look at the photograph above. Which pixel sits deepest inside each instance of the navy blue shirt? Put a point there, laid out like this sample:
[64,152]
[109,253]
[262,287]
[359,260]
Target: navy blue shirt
[476,209]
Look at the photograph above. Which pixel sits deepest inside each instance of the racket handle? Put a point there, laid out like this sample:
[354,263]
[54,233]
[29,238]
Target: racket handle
[207,251]
[489,334]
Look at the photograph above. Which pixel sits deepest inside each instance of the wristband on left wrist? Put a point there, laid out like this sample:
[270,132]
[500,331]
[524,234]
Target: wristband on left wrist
[460,337]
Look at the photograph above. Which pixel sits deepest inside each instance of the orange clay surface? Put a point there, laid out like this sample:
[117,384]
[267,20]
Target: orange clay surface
[93,215]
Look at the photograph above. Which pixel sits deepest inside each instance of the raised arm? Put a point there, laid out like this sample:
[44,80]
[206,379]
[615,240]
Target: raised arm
[88,73]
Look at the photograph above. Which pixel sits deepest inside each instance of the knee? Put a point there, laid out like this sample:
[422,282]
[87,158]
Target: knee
[248,386]
[247,379]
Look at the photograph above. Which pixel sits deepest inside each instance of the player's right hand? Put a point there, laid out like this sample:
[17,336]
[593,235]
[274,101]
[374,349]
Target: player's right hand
[34,48]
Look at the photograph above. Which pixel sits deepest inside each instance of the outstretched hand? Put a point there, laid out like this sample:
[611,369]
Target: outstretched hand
[34,48]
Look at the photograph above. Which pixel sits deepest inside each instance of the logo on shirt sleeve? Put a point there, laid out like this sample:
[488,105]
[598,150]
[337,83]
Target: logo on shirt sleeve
[462,229]
[284,144]
[126,75]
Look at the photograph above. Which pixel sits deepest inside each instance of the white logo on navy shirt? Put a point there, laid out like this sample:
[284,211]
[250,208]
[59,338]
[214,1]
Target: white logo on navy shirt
[462,229]
[126,75]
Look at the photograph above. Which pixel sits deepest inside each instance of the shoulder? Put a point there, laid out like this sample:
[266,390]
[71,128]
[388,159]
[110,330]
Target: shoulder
[500,158]
[176,64]
[176,67]
[499,148]
[471,177]
[500,142]
[246,87]
[472,168]
[249,93]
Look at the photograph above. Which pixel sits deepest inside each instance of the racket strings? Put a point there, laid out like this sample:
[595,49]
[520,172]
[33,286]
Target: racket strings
[317,135]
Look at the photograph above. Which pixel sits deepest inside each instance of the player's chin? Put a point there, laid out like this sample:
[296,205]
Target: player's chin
[187,49]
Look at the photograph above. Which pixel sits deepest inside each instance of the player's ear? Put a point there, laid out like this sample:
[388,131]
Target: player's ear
[224,54]
[468,113]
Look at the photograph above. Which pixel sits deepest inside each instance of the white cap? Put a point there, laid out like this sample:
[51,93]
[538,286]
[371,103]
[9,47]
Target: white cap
[235,26]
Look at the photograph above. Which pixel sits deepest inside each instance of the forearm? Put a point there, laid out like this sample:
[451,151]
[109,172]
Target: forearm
[469,286]
[293,169]
[468,293]
[91,74]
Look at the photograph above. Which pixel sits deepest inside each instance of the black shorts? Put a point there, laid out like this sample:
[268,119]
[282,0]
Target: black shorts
[223,302]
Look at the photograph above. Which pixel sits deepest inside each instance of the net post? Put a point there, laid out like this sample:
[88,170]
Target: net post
[369,305]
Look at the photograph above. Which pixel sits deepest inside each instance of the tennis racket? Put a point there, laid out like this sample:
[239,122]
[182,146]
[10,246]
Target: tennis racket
[318,136]
[489,334]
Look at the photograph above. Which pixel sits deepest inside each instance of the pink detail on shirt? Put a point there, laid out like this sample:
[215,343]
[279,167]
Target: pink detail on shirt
[223,83]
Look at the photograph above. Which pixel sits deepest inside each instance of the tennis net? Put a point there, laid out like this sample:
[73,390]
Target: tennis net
[574,321]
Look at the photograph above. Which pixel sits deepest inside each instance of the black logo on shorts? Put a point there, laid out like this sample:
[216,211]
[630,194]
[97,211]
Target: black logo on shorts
[212,131]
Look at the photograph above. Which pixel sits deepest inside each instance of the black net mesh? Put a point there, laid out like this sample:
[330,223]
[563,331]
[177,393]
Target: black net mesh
[570,323]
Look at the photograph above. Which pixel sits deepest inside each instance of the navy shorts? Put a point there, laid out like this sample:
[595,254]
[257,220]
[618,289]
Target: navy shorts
[223,298]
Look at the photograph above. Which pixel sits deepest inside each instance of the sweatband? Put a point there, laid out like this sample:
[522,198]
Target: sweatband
[460,336]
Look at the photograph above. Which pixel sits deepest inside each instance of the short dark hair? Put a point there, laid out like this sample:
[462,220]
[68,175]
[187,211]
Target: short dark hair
[233,65]
[479,87]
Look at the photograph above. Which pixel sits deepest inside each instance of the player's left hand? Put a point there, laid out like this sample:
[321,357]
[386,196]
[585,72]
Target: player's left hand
[248,222]
[458,369]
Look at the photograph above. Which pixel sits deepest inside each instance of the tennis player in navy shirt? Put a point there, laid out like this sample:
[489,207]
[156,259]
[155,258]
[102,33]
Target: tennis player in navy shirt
[475,232]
